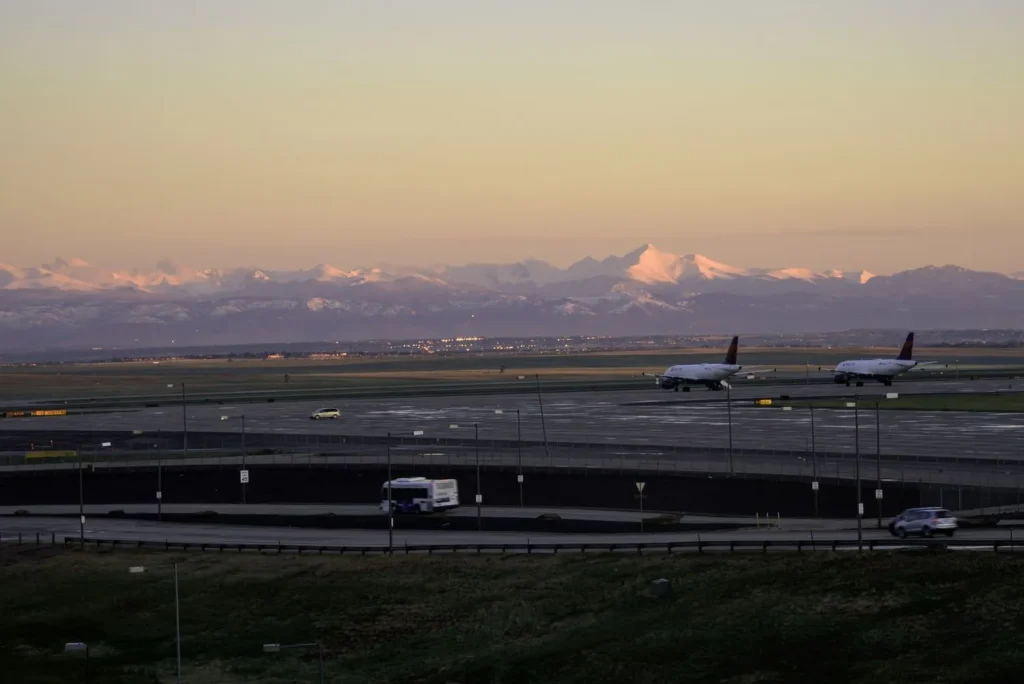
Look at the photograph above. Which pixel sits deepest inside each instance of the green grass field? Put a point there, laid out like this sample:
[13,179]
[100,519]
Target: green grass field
[917,617]
[936,402]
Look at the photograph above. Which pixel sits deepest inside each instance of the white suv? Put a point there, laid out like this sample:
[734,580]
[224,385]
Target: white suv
[324,413]
[923,521]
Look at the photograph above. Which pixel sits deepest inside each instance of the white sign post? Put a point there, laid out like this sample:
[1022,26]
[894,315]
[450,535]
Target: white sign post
[519,479]
[479,498]
[860,509]
[243,476]
[417,433]
[878,494]
[814,485]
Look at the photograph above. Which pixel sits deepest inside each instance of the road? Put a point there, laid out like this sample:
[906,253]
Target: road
[469,511]
[611,421]
[129,530]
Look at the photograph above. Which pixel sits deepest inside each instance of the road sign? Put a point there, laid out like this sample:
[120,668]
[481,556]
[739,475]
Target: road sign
[640,486]
[243,476]
[417,433]
[519,479]
[159,495]
[860,509]
[851,404]
[892,395]
[169,386]
[787,408]
[878,493]
[814,485]
[479,498]
[453,426]
[498,411]
[223,417]
[105,444]
[763,402]
[83,519]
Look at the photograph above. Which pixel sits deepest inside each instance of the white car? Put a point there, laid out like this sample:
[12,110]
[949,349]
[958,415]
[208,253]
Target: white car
[325,413]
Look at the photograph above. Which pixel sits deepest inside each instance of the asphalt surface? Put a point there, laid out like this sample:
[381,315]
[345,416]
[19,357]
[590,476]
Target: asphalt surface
[128,530]
[650,418]
[466,511]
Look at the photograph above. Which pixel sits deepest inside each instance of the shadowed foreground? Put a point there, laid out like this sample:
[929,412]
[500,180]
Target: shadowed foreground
[913,617]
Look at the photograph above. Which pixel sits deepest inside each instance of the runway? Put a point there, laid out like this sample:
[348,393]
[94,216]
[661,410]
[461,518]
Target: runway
[651,419]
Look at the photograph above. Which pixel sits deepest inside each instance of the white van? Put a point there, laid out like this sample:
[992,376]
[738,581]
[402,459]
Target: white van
[325,413]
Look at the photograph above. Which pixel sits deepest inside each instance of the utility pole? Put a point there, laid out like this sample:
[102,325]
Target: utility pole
[479,494]
[184,423]
[519,448]
[728,404]
[159,478]
[177,620]
[860,503]
[159,490]
[81,501]
[878,463]
[543,426]
[391,510]
[244,485]
[814,465]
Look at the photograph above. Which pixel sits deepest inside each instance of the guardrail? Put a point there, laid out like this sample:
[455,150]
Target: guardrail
[698,546]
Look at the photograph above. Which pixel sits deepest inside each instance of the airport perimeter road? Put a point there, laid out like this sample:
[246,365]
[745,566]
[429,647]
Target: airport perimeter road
[646,418]
[129,530]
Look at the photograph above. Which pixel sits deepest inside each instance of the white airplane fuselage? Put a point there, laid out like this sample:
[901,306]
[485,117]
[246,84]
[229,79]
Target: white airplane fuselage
[883,370]
[711,375]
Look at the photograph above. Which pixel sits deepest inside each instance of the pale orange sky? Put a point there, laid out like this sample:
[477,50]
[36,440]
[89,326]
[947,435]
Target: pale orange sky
[876,134]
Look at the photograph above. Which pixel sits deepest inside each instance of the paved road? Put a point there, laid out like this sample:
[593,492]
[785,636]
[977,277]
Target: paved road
[643,418]
[468,511]
[226,534]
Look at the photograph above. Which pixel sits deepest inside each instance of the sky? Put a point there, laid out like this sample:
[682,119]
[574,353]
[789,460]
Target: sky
[828,134]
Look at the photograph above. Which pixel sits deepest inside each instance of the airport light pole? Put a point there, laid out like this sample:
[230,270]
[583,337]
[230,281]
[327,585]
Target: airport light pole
[391,509]
[814,465]
[276,648]
[479,494]
[543,425]
[728,406]
[244,484]
[878,463]
[184,423]
[177,622]
[519,449]
[860,503]
[81,501]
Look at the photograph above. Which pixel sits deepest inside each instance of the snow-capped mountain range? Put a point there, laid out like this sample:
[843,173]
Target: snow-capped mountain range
[647,265]
[70,303]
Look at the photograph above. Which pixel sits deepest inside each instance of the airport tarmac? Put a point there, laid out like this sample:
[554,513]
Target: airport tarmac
[650,418]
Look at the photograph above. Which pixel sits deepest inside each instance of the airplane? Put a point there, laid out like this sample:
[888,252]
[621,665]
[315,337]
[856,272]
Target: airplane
[711,375]
[882,370]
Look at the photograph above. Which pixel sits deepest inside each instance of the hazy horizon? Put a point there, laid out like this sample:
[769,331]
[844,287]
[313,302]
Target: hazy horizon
[873,135]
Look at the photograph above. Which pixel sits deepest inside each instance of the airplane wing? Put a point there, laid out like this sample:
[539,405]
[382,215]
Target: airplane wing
[757,370]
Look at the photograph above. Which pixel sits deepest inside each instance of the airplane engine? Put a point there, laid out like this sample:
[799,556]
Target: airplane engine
[669,383]
[840,378]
